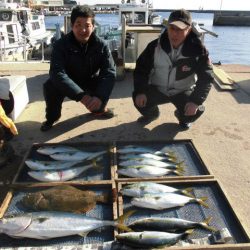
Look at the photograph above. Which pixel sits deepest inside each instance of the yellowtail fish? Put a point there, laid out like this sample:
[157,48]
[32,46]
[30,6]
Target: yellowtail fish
[64,198]
[169,224]
[146,171]
[76,156]
[150,239]
[139,189]
[48,225]
[147,156]
[49,165]
[150,162]
[48,150]
[59,175]
[166,200]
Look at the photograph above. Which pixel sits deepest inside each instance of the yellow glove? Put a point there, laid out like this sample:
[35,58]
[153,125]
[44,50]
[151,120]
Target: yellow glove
[7,122]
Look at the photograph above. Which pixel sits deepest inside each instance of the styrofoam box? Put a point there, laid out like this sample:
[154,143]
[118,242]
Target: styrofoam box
[18,87]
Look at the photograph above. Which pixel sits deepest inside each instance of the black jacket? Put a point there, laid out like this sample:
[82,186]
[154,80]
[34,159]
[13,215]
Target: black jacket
[73,67]
[196,58]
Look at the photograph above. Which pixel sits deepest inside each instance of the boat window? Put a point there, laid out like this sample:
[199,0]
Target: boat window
[140,17]
[35,26]
[10,32]
[128,16]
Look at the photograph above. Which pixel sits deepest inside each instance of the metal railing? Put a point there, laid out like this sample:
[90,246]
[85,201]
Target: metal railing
[20,50]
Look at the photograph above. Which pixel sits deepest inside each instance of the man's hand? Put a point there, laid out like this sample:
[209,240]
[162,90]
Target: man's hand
[190,109]
[7,122]
[141,100]
[92,103]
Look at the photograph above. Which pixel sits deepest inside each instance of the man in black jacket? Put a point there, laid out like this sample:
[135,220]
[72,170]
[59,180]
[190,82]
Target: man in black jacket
[81,69]
[174,68]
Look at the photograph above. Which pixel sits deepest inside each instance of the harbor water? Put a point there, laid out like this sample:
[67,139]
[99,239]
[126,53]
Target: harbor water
[230,47]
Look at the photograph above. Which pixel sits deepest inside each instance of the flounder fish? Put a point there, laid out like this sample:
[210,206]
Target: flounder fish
[64,198]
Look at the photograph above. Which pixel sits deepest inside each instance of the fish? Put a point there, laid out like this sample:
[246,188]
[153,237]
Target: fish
[143,171]
[133,156]
[63,198]
[140,150]
[133,149]
[151,162]
[76,156]
[48,225]
[150,239]
[48,150]
[166,200]
[49,165]
[59,175]
[139,189]
[169,224]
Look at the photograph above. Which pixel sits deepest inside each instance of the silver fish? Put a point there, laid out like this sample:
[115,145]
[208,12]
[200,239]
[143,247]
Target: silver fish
[76,156]
[150,239]
[47,225]
[165,200]
[150,162]
[168,224]
[48,150]
[146,171]
[49,165]
[134,156]
[141,188]
[59,175]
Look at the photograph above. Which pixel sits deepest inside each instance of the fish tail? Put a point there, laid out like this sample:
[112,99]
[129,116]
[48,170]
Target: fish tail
[187,191]
[177,172]
[202,200]
[171,155]
[124,227]
[189,231]
[95,164]
[205,225]
[125,216]
[180,168]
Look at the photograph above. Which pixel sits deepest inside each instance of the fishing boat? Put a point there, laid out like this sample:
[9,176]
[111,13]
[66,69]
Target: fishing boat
[21,31]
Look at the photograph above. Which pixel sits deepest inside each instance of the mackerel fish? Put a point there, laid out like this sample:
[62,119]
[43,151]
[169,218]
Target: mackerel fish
[47,225]
[64,198]
[59,175]
[150,239]
[169,224]
[166,200]
[48,150]
[143,171]
[141,188]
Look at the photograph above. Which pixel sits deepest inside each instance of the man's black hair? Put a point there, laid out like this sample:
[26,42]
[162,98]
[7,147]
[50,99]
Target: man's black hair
[82,11]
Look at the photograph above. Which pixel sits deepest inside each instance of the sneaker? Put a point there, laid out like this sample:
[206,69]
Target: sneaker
[46,126]
[185,125]
[108,114]
[146,119]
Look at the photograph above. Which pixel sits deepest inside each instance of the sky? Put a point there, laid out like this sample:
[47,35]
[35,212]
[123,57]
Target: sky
[187,4]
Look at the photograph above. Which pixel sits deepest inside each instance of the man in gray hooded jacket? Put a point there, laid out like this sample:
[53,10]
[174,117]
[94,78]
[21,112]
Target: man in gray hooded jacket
[174,68]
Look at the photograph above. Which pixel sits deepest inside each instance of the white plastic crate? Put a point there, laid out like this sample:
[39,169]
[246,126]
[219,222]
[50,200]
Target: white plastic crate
[18,87]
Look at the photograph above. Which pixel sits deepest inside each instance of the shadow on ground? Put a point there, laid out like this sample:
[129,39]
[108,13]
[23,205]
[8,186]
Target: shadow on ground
[122,132]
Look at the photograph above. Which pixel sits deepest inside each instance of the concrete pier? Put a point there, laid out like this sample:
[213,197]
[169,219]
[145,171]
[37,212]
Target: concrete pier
[221,135]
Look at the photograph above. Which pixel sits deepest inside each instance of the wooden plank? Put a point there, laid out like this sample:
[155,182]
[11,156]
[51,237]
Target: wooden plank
[224,86]
[223,76]
[6,203]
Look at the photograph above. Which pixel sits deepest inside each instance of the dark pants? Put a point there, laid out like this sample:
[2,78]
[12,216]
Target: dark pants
[54,98]
[155,98]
